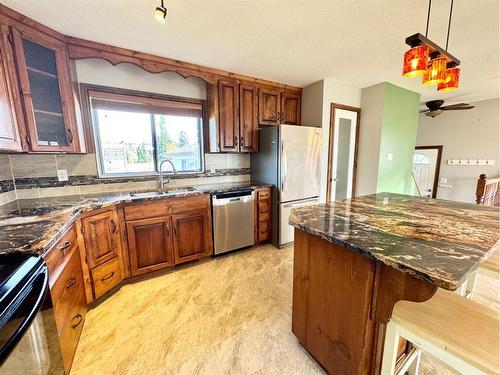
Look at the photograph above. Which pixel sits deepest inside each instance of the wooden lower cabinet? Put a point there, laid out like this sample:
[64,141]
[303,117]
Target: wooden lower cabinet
[67,293]
[149,244]
[192,235]
[102,259]
[263,214]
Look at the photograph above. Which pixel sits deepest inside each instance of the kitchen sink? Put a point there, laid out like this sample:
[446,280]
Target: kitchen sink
[157,193]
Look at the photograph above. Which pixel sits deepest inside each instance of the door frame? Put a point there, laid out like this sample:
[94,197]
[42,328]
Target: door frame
[438,165]
[333,107]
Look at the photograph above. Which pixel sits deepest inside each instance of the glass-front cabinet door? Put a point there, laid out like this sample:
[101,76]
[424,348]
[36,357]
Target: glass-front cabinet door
[46,91]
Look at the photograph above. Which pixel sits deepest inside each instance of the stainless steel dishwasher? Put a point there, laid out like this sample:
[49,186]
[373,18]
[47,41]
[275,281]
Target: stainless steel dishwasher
[233,218]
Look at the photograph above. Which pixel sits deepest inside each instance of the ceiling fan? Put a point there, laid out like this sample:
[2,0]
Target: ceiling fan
[435,107]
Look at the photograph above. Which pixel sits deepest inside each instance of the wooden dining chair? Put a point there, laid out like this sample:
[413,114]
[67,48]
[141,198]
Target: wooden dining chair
[488,194]
[488,191]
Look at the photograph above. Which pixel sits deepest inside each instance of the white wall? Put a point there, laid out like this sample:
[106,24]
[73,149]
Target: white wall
[312,104]
[332,92]
[372,113]
[464,134]
[128,76]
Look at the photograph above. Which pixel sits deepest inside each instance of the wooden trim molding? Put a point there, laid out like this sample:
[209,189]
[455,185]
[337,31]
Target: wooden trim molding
[333,107]
[438,165]
[84,49]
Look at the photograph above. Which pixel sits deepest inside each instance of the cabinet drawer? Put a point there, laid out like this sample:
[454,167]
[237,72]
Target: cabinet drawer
[264,231]
[264,216]
[58,254]
[142,210]
[263,207]
[65,287]
[263,194]
[71,331]
[185,204]
[106,276]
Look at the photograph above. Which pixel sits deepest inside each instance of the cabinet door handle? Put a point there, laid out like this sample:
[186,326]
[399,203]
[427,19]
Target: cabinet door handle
[79,317]
[235,141]
[167,229]
[70,136]
[113,226]
[65,245]
[71,282]
[242,141]
[108,276]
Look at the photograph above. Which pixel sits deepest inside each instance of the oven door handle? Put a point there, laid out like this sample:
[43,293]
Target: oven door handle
[25,324]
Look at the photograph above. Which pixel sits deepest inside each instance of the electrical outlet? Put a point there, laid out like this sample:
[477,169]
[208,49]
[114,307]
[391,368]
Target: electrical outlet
[443,180]
[386,200]
[390,156]
[62,174]
[212,169]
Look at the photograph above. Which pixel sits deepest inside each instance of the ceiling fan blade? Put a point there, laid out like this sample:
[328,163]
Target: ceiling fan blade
[457,108]
[455,105]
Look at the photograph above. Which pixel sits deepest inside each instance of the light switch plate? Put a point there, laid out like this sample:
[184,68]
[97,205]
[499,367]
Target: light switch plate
[443,180]
[62,174]
[390,156]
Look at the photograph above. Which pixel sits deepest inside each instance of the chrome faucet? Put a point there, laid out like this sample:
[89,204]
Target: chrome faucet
[162,179]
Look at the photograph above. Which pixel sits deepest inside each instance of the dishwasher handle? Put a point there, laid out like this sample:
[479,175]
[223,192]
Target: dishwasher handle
[224,199]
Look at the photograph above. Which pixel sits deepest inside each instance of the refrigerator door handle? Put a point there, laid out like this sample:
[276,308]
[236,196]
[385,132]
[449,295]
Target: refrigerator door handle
[284,165]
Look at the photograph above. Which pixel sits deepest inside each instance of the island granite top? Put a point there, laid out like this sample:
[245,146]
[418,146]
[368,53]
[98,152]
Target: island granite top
[440,241]
[32,226]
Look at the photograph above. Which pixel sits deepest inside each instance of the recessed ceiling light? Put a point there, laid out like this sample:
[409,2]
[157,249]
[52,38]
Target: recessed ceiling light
[160,13]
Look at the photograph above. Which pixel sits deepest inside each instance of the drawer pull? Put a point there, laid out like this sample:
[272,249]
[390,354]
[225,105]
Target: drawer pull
[79,317]
[71,282]
[108,276]
[65,245]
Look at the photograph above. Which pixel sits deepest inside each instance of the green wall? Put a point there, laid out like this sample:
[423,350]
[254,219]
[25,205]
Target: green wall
[399,134]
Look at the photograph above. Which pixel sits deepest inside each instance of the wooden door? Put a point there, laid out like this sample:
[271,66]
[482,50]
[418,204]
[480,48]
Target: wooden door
[191,235]
[290,109]
[10,120]
[149,244]
[269,107]
[44,76]
[249,136]
[101,236]
[228,116]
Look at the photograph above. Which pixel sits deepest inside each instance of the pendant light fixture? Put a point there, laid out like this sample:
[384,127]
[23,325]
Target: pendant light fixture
[426,58]
[160,13]
[452,75]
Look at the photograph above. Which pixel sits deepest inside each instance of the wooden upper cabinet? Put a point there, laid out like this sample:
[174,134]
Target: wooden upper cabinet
[46,91]
[249,136]
[150,244]
[102,237]
[290,109]
[228,116]
[10,119]
[192,235]
[269,107]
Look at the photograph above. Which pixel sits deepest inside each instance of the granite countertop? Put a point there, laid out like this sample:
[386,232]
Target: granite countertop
[440,241]
[32,226]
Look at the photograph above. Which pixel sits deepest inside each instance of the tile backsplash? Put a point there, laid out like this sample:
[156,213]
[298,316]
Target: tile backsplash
[31,176]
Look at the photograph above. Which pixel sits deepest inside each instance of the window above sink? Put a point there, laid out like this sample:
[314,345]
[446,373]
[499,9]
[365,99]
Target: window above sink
[134,132]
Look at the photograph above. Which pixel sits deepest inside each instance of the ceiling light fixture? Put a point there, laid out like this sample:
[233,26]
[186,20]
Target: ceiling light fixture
[160,13]
[435,63]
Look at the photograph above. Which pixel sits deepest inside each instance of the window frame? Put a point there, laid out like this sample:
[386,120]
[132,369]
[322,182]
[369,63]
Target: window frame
[93,142]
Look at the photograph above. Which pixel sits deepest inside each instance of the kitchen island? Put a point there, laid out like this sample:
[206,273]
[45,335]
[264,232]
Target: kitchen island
[355,259]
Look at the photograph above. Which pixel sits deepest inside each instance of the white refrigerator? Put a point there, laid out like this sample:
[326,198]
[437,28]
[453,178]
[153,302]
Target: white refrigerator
[289,158]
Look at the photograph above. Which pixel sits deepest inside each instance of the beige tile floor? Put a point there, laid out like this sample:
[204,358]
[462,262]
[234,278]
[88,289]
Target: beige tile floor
[229,315]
